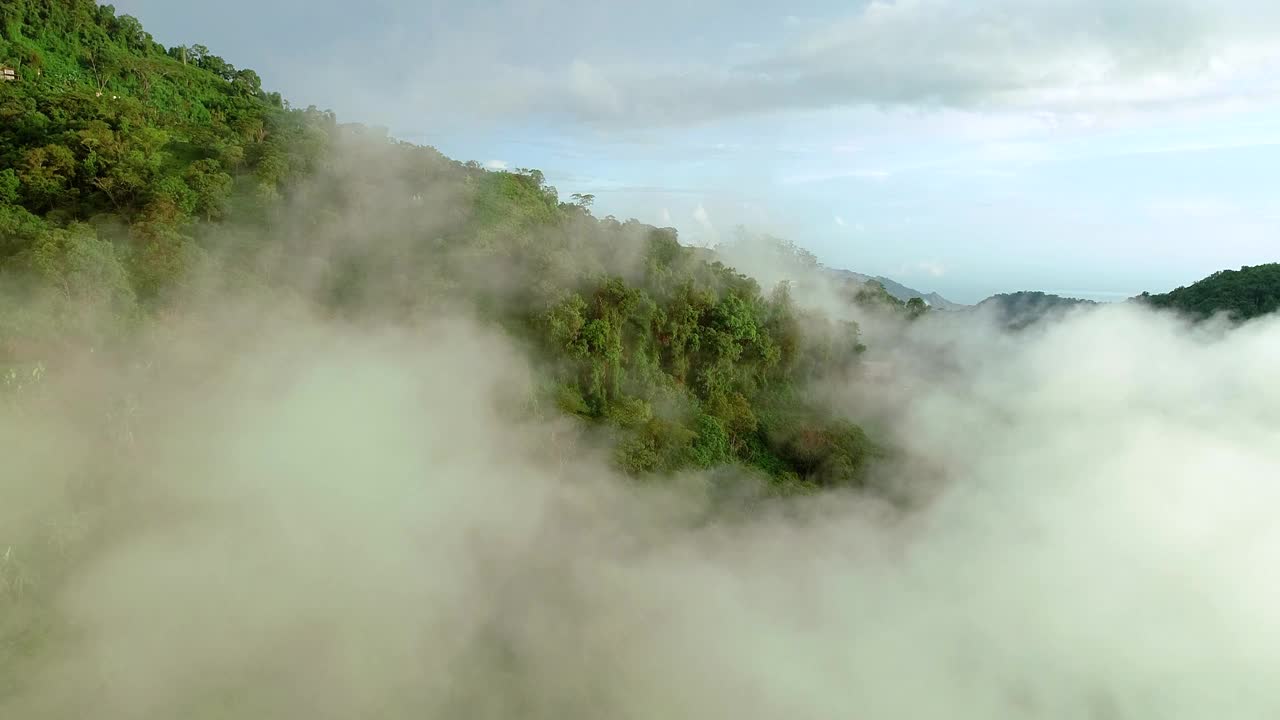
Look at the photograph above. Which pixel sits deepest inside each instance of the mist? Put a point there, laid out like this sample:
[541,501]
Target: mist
[258,507]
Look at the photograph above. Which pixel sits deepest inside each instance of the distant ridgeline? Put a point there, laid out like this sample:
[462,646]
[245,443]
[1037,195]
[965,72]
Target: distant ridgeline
[1250,292]
[902,292]
[132,170]
[1240,295]
[1022,309]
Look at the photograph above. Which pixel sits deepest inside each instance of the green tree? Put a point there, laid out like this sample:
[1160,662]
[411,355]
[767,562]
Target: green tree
[211,188]
[46,176]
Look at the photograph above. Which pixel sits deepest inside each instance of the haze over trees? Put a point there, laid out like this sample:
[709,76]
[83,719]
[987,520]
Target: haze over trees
[135,172]
[1022,309]
[301,421]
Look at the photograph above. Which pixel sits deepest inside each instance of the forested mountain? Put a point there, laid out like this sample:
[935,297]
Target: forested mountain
[1251,291]
[1022,309]
[137,176]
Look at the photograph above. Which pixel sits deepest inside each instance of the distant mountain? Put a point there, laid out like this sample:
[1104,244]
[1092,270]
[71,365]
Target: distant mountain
[902,292]
[1242,294]
[1022,309]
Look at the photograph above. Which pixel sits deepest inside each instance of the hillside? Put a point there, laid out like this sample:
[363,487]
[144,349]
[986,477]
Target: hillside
[140,178]
[1250,292]
[1022,309]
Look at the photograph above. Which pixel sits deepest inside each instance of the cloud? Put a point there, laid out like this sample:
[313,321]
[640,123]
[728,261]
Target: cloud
[932,268]
[839,221]
[705,233]
[613,66]
[312,516]
[1057,56]
[496,165]
[701,217]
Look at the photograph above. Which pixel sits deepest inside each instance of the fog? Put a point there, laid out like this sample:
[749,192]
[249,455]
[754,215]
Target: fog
[256,509]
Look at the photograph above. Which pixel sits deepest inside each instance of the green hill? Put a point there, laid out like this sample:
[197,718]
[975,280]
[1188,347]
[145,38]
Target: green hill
[1242,294]
[137,175]
[1022,309]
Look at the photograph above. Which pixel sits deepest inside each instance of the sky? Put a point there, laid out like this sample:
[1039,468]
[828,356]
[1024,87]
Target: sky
[1094,148]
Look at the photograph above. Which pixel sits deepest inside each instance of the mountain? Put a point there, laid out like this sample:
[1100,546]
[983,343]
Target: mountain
[1021,309]
[900,291]
[1250,292]
[138,179]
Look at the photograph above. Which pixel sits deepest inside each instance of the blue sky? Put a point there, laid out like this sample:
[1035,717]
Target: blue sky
[1091,147]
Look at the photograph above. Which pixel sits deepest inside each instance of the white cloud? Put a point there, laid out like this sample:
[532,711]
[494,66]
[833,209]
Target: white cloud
[666,216]
[932,268]
[496,165]
[1059,56]
[840,221]
[705,233]
[701,217]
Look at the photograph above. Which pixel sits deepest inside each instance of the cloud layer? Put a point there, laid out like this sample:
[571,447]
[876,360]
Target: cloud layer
[1043,55]
[336,522]
[269,512]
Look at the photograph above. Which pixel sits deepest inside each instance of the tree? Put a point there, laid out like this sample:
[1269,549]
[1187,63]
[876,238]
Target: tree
[197,53]
[130,32]
[211,187]
[680,359]
[9,184]
[79,284]
[247,82]
[46,173]
[1251,291]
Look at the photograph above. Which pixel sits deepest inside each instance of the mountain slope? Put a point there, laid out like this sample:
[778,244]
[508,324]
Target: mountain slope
[138,177]
[1021,309]
[1250,292]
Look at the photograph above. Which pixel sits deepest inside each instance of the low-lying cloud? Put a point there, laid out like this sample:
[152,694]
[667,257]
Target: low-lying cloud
[317,519]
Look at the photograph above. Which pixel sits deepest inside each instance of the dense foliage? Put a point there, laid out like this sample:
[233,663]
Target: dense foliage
[134,173]
[1241,294]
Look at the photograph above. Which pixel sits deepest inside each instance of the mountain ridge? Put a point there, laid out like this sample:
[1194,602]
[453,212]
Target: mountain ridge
[1249,292]
[136,175]
[898,290]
